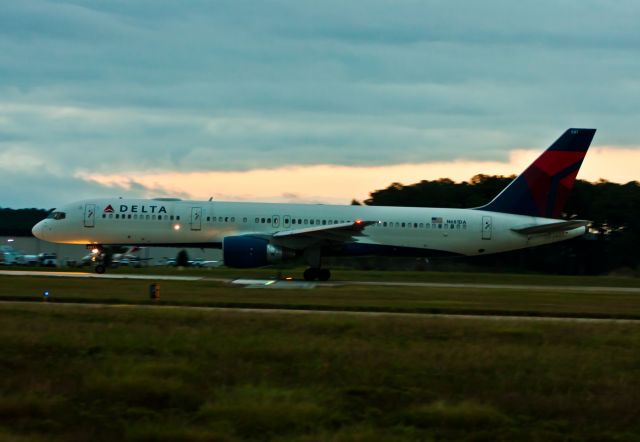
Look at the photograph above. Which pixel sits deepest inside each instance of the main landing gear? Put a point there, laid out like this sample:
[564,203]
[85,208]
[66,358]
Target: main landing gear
[313,257]
[320,274]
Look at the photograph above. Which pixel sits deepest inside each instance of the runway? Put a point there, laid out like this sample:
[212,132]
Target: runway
[271,311]
[98,276]
[297,284]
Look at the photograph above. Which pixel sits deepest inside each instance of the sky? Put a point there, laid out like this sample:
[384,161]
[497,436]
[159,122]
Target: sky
[305,101]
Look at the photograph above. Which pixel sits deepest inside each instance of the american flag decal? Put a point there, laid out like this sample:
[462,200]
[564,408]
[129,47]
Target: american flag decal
[436,220]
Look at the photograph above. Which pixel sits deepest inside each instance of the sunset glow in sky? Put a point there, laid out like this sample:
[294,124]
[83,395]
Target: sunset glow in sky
[339,184]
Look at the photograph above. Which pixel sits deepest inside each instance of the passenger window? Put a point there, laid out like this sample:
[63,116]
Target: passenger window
[300,221]
[421,225]
[324,222]
[178,217]
[268,220]
[311,222]
[244,220]
[111,215]
[293,221]
[233,219]
[208,218]
[257,220]
[306,221]
[384,224]
[117,216]
[263,220]
[104,215]
[402,224]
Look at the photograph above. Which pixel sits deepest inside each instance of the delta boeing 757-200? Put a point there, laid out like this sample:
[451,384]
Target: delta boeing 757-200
[524,214]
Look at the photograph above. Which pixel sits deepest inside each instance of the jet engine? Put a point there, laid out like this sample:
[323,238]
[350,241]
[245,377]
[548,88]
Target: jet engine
[250,251]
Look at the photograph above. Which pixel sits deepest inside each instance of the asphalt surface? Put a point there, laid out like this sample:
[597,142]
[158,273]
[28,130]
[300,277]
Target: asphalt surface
[98,276]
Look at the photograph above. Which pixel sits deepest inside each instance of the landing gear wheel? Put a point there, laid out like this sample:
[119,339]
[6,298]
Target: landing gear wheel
[310,274]
[100,269]
[324,274]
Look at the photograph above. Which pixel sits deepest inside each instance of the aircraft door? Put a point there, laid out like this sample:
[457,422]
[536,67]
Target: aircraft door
[275,221]
[89,215]
[487,227]
[196,218]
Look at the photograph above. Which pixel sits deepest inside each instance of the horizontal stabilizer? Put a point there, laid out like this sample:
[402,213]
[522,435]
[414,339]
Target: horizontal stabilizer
[561,226]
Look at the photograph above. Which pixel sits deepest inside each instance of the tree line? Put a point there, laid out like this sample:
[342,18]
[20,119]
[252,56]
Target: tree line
[18,222]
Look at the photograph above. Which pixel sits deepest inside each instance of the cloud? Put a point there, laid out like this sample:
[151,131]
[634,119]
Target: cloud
[136,87]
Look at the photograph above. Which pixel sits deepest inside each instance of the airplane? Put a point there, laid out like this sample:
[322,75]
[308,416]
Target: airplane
[525,214]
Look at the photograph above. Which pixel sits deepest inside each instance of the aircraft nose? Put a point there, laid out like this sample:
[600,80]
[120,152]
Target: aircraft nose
[38,230]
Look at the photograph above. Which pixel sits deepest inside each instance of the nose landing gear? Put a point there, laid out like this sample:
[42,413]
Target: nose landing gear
[102,257]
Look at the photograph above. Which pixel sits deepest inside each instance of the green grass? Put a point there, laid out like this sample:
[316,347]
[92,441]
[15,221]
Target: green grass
[520,301]
[104,374]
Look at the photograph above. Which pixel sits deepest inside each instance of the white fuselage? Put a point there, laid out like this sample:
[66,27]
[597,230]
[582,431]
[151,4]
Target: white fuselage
[205,224]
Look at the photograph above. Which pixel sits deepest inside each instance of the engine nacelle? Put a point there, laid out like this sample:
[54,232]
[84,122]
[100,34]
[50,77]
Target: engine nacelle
[250,251]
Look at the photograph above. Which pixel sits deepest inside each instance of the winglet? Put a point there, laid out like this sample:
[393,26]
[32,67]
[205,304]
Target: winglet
[543,188]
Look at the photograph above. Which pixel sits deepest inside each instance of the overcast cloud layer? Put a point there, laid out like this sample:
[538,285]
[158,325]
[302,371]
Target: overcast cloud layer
[138,86]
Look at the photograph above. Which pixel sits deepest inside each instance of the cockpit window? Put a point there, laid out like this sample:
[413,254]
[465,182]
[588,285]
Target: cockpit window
[57,215]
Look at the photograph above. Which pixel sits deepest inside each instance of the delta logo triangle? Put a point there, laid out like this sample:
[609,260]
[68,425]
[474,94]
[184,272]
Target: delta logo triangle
[108,209]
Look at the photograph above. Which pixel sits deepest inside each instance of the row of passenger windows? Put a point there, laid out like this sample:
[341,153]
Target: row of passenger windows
[266,220]
[306,221]
[425,225]
[294,221]
[136,216]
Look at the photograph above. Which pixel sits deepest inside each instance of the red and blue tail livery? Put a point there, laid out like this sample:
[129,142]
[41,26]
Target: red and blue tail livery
[543,188]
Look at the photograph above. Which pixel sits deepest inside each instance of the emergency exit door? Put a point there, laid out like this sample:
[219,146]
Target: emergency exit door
[487,227]
[196,218]
[89,215]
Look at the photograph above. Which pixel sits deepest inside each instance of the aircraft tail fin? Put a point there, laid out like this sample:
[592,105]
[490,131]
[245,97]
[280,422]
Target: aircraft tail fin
[543,188]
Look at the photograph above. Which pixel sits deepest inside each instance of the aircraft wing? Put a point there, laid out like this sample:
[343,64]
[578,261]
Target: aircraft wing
[340,232]
[561,226]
